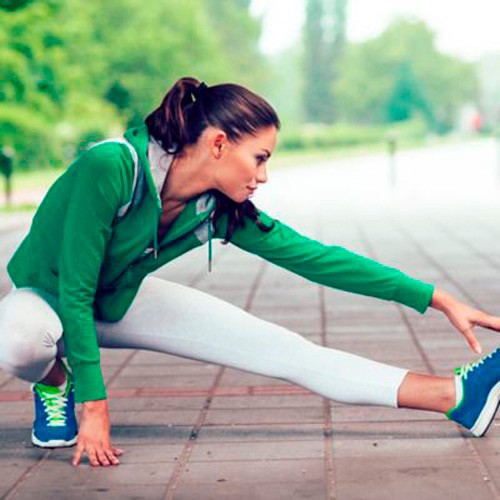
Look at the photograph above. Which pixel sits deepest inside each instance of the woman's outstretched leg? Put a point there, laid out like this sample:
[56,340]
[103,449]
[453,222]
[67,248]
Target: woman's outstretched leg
[427,392]
[179,320]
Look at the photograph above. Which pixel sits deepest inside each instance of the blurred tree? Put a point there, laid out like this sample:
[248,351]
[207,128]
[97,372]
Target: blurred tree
[239,33]
[76,71]
[324,41]
[407,98]
[12,5]
[371,69]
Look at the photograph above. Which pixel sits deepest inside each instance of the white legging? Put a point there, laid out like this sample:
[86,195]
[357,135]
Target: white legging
[183,321]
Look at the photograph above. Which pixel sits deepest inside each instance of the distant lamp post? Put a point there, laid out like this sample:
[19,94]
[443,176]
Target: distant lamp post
[6,168]
[392,146]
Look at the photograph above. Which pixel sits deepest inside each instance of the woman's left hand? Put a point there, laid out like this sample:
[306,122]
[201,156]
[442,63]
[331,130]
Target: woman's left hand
[463,317]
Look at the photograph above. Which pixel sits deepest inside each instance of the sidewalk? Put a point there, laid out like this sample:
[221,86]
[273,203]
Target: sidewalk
[193,430]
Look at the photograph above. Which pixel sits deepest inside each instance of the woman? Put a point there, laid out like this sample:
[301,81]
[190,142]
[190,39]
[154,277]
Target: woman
[127,207]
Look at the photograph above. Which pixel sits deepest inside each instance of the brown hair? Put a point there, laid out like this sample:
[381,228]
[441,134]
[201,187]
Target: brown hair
[189,107]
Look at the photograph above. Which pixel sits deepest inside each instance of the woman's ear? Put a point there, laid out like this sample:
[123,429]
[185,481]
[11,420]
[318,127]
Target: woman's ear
[218,143]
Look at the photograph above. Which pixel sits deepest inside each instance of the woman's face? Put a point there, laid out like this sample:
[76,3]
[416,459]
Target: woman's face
[241,166]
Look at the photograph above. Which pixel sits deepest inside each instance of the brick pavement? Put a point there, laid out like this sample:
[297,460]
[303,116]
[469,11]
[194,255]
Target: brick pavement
[195,430]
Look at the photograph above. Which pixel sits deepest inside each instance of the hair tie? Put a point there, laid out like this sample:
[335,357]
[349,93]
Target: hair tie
[200,91]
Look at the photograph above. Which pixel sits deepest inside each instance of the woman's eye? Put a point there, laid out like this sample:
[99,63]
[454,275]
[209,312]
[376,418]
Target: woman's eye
[260,159]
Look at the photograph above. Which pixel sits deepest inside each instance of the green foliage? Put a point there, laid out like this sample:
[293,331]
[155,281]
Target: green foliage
[30,136]
[12,5]
[371,70]
[319,136]
[74,72]
[407,98]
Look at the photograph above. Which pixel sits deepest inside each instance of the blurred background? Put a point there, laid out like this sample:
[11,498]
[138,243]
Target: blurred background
[346,76]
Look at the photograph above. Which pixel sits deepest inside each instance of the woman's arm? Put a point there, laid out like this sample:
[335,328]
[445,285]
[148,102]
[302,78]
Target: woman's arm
[339,268]
[98,192]
[100,186]
[328,265]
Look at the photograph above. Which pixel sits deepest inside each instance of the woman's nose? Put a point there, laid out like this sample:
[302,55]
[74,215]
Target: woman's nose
[262,175]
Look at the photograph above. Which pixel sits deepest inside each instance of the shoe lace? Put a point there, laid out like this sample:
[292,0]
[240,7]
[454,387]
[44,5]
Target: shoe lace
[54,405]
[467,368]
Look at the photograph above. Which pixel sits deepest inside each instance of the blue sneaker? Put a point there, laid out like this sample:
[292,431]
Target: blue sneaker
[55,422]
[480,394]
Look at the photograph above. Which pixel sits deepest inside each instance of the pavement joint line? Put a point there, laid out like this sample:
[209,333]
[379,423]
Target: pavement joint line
[483,469]
[183,458]
[413,335]
[476,456]
[437,265]
[28,472]
[331,493]
[5,382]
[176,476]
[493,263]
[121,367]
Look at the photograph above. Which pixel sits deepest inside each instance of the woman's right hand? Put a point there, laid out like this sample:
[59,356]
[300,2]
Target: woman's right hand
[93,436]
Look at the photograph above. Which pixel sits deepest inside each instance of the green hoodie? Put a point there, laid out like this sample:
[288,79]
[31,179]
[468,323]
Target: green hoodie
[93,262]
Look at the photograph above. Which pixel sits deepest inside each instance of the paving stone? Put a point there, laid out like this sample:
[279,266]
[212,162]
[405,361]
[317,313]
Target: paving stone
[263,416]
[382,449]
[264,471]
[351,413]
[172,381]
[414,429]
[138,433]
[10,473]
[93,492]
[233,377]
[167,370]
[151,418]
[257,450]
[138,404]
[255,491]
[409,478]
[253,402]
[285,432]
[96,477]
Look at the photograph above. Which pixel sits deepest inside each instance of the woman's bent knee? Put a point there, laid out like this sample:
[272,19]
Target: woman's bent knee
[29,331]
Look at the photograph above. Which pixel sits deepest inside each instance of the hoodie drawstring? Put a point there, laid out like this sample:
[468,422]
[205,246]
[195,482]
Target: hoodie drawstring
[209,245]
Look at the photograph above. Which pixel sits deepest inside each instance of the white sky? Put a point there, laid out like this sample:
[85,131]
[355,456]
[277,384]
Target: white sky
[464,28]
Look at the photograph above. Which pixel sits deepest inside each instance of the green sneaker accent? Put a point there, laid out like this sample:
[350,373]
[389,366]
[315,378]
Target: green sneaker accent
[54,402]
[451,410]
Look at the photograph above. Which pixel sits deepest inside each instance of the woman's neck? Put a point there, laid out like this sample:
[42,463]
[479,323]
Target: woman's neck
[186,178]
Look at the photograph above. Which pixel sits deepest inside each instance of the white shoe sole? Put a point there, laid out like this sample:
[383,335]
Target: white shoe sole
[53,443]
[488,414]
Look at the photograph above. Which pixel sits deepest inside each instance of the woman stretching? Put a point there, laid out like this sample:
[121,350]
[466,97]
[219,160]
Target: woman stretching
[128,206]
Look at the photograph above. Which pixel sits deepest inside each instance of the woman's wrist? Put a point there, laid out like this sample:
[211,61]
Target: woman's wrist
[97,406]
[442,301]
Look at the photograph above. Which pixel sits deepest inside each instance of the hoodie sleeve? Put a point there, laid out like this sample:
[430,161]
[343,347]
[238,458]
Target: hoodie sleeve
[328,265]
[99,190]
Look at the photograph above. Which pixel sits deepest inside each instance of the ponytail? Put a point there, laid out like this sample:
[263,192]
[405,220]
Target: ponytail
[171,124]
[189,107]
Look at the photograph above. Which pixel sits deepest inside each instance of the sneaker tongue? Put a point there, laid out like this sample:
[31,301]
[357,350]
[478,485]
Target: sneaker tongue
[49,389]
